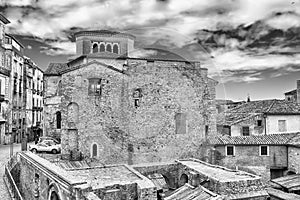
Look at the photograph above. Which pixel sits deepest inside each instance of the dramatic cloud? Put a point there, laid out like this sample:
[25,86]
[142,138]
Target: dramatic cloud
[236,39]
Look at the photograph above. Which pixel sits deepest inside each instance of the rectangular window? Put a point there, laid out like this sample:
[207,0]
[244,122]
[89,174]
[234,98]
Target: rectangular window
[282,125]
[95,86]
[230,150]
[227,130]
[264,150]
[246,131]
[259,123]
[180,123]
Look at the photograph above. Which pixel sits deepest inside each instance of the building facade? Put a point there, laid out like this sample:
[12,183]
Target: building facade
[270,156]
[260,117]
[15,52]
[293,95]
[107,105]
[4,82]
[34,91]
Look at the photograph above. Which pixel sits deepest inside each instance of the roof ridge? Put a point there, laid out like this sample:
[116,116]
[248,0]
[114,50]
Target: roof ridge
[272,104]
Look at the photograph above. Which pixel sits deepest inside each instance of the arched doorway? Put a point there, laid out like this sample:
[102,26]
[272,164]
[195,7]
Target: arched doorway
[183,180]
[54,196]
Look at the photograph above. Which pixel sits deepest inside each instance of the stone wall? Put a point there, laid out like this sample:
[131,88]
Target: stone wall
[294,159]
[248,157]
[134,129]
[34,181]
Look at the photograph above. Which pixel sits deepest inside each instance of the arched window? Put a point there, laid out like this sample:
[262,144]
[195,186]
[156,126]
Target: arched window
[95,48]
[108,48]
[54,196]
[115,49]
[58,120]
[102,47]
[94,150]
[183,179]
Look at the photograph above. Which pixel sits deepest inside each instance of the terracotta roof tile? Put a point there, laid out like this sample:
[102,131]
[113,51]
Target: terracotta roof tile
[255,108]
[272,139]
[55,68]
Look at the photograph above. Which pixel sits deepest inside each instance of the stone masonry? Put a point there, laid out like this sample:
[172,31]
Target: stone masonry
[148,110]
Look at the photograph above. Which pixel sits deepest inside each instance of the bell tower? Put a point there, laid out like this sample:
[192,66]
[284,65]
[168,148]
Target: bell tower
[104,42]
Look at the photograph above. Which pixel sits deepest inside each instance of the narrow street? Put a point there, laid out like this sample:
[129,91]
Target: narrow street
[4,157]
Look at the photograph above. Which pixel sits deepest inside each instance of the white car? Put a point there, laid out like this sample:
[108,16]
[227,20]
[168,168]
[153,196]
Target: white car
[45,146]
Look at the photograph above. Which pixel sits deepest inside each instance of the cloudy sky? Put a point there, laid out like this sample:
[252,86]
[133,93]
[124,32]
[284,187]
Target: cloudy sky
[249,46]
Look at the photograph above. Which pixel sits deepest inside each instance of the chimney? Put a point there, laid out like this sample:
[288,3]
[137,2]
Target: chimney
[298,91]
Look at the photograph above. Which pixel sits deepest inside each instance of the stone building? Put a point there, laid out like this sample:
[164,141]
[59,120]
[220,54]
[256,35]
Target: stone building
[270,156]
[107,104]
[260,117]
[4,82]
[33,79]
[293,95]
[14,54]
[42,179]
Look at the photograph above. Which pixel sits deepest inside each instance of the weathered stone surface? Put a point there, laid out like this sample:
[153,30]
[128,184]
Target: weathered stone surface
[115,122]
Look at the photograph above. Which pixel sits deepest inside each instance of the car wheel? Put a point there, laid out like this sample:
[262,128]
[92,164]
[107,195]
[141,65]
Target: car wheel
[54,151]
[33,150]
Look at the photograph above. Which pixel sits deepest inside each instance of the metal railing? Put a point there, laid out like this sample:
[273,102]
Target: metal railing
[14,191]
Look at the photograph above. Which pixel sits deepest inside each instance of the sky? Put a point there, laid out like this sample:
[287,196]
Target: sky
[251,47]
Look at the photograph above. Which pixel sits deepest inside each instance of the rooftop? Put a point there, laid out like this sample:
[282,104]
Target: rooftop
[254,108]
[219,173]
[282,195]
[95,177]
[290,182]
[292,92]
[106,33]
[271,139]
[188,192]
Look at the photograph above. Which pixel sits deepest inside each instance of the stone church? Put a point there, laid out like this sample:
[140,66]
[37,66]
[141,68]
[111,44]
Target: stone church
[107,104]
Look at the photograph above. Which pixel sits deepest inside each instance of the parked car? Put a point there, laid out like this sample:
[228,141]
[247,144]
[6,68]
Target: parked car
[48,138]
[45,146]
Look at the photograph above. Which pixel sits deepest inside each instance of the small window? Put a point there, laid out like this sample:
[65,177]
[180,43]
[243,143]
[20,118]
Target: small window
[206,130]
[108,48]
[282,125]
[58,120]
[95,87]
[180,123]
[94,150]
[264,150]
[226,130]
[230,151]
[259,123]
[115,49]
[95,48]
[102,47]
[246,131]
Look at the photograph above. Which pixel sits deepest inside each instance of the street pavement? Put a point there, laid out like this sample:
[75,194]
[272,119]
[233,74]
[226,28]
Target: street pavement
[4,157]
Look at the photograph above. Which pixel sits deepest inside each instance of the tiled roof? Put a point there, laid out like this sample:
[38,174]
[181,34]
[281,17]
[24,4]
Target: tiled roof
[188,192]
[271,139]
[55,68]
[292,92]
[255,108]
